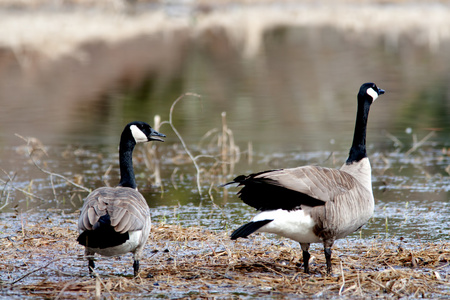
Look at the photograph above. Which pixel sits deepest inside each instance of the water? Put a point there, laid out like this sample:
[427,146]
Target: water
[293,103]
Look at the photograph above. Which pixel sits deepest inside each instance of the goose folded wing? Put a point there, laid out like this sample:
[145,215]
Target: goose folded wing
[83,220]
[90,213]
[290,188]
[127,210]
[129,215]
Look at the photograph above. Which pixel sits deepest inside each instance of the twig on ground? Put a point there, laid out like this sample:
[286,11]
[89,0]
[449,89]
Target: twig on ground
[97,288]
[63,289]
[34,271]
[384,287]
[343,280]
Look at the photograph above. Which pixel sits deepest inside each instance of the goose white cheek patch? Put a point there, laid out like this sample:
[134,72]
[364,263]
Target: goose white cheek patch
[138,135]
[372,93]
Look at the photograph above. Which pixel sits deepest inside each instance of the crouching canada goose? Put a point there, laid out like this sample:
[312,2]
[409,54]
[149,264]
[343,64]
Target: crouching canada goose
[312,204]
[116,220]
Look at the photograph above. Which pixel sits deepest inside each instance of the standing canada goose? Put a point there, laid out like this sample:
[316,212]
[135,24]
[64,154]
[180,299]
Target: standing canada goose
[313,204]
[116,220]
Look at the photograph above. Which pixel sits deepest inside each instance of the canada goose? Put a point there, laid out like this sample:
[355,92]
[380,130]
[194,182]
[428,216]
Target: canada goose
[312,204]
[116,220]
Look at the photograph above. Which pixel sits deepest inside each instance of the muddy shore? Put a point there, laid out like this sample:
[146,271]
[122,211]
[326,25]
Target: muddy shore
[42,259]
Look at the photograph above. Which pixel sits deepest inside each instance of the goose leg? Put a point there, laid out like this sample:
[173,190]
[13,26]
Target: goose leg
[136,267]
[91,265]
[137,255]
[327,252]
[90,257]
[306,256]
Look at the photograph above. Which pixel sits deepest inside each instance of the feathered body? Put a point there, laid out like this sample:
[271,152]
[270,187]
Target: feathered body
[312,204]
[336,202]
[116,220]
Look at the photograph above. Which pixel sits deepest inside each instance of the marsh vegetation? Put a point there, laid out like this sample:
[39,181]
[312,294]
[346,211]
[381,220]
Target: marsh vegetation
[280,95]
[402,251]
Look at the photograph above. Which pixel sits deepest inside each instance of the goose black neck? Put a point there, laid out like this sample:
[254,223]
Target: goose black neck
[358,149]
[126,148]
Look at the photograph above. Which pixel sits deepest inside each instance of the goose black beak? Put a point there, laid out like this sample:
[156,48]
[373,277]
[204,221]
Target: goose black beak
[156,136]
[380,91]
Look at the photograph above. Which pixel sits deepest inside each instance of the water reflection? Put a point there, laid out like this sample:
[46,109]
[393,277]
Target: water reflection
[293,104]
[301,84]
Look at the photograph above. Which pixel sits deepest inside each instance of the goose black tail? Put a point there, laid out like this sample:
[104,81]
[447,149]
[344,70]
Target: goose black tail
[103,235]
[247,229]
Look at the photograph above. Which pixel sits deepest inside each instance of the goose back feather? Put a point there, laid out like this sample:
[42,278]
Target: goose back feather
[126,208]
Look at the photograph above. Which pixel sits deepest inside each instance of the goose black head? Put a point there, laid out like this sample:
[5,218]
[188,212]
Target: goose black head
[370,90]
[142,132]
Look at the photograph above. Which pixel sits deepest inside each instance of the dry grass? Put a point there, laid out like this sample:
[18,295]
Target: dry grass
[43,259]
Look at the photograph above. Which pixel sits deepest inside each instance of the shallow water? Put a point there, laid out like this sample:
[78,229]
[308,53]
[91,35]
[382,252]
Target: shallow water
[293,104]
[411,193]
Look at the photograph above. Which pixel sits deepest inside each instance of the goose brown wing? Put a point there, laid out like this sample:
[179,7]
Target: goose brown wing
[290,188]
[126,207]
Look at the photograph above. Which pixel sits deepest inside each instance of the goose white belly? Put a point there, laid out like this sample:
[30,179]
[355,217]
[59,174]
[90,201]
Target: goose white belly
[129,246]
[294,224]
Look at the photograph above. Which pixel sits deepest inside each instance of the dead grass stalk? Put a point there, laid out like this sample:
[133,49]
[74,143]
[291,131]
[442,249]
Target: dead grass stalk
[170,122]
[51,174]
